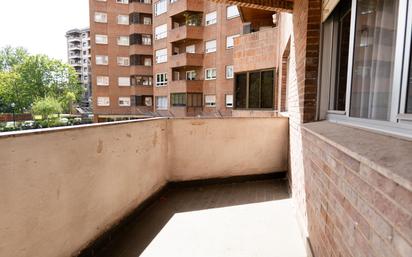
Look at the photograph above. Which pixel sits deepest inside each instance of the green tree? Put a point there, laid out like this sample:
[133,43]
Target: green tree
[10,57]
[46,107]
[68,100]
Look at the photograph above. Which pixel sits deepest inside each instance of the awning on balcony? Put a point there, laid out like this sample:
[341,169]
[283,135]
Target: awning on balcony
[269,5]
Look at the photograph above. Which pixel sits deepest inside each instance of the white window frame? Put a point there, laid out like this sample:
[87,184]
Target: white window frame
[210,101]
[191,49]
[207,77]
[229,75]
[126,101]
[147,21]
[121,81]
[399,123]
[123,61]
[230,41]
[211,18]
[229,101]
[103,101]
[161,79]
[100,17]
[101,39]
[231,13]
[120,20]
[102,80]
[122,1]
[123,40]
[191,74]
[162,5]
[161,31]
[209,49]
[161,57]
[163,107]
[104,60]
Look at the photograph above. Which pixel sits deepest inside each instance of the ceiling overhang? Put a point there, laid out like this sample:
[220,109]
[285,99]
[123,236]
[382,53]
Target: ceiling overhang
[268,5]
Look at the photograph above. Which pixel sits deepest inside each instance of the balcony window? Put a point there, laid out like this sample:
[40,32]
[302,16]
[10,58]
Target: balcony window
[124,81]
[254,90]
[211,18]
[178,99]
[161,55]
[102,60]
[124,101]
[191,49]
[123,61]
[229,101]
[141,39]
[161,103]
[123,41]
[123,19]
[194,100]
[103,101]
[161,31]
[141,80]
[147,61]
[210,101]
[191,75]
[161,79]
[229,72]
[230,41]
[122,1]
[160,7]
[100,17]
[137,59]
[232,12]
[140,18]
[210,74]
[147,40]
[102,80]
[210,46]
[143,100]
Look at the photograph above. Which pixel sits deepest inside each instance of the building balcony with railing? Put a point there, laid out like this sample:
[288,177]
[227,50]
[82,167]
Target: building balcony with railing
[186,60]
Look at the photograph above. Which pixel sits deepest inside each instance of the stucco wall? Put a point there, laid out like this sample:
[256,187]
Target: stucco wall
[210,148]
[62,188]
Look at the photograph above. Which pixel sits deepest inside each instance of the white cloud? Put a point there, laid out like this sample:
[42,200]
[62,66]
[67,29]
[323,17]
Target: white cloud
[40,26]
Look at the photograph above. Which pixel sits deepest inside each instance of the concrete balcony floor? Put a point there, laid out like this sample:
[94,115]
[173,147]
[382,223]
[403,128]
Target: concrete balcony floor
[238,219]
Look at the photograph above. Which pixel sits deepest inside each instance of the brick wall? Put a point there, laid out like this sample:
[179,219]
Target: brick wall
[352,209]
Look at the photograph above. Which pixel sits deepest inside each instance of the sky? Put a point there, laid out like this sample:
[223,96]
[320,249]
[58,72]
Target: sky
[40,26]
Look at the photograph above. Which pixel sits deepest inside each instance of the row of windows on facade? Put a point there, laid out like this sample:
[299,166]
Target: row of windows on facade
[161,79]
[160,8]
[176,100]
[366,64]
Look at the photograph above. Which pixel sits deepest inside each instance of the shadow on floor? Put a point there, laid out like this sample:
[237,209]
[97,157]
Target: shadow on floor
[156,220]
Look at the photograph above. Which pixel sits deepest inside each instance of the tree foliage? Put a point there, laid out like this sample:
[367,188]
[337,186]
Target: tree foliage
[46,107]
[25,78]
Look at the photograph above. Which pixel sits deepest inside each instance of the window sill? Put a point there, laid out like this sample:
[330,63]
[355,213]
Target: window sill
[390,156]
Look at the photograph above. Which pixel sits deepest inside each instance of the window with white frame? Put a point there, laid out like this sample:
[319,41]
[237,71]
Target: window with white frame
[160,7]
[191,75]
[161,31]
[210,100]
[229,72]
[191,49]
[230,41]
[211,18]
[146,39]
[100,17]
[210,46]
[124,81]
[123,41]
[102,80]
[229,101]
[102,60]
[210,73]
[122,1]
[368,43]
[101,39]
[124,101]
[123,19]
[232,12]
[147,61]
[161,79]
[161,103]
[123,61]
[161,55]
[103,101]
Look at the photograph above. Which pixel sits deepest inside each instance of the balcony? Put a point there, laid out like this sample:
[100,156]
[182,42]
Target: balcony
[181,6]
[186,59]
[185,32]
[186,86]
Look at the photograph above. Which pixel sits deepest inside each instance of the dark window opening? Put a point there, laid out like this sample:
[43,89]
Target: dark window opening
[178,99]
[254,90]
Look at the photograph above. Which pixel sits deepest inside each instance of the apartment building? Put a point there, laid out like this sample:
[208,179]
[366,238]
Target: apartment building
[121,39]
[79,56]
[184,69]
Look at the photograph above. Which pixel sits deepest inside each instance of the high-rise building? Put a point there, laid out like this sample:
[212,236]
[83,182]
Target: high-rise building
[79,56]
[176,60]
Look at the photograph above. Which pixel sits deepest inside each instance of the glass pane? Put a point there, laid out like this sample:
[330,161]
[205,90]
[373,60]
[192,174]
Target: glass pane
[267,89]
[373,59]
[254,90]
[343,53]
[409,95]
[240,89]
